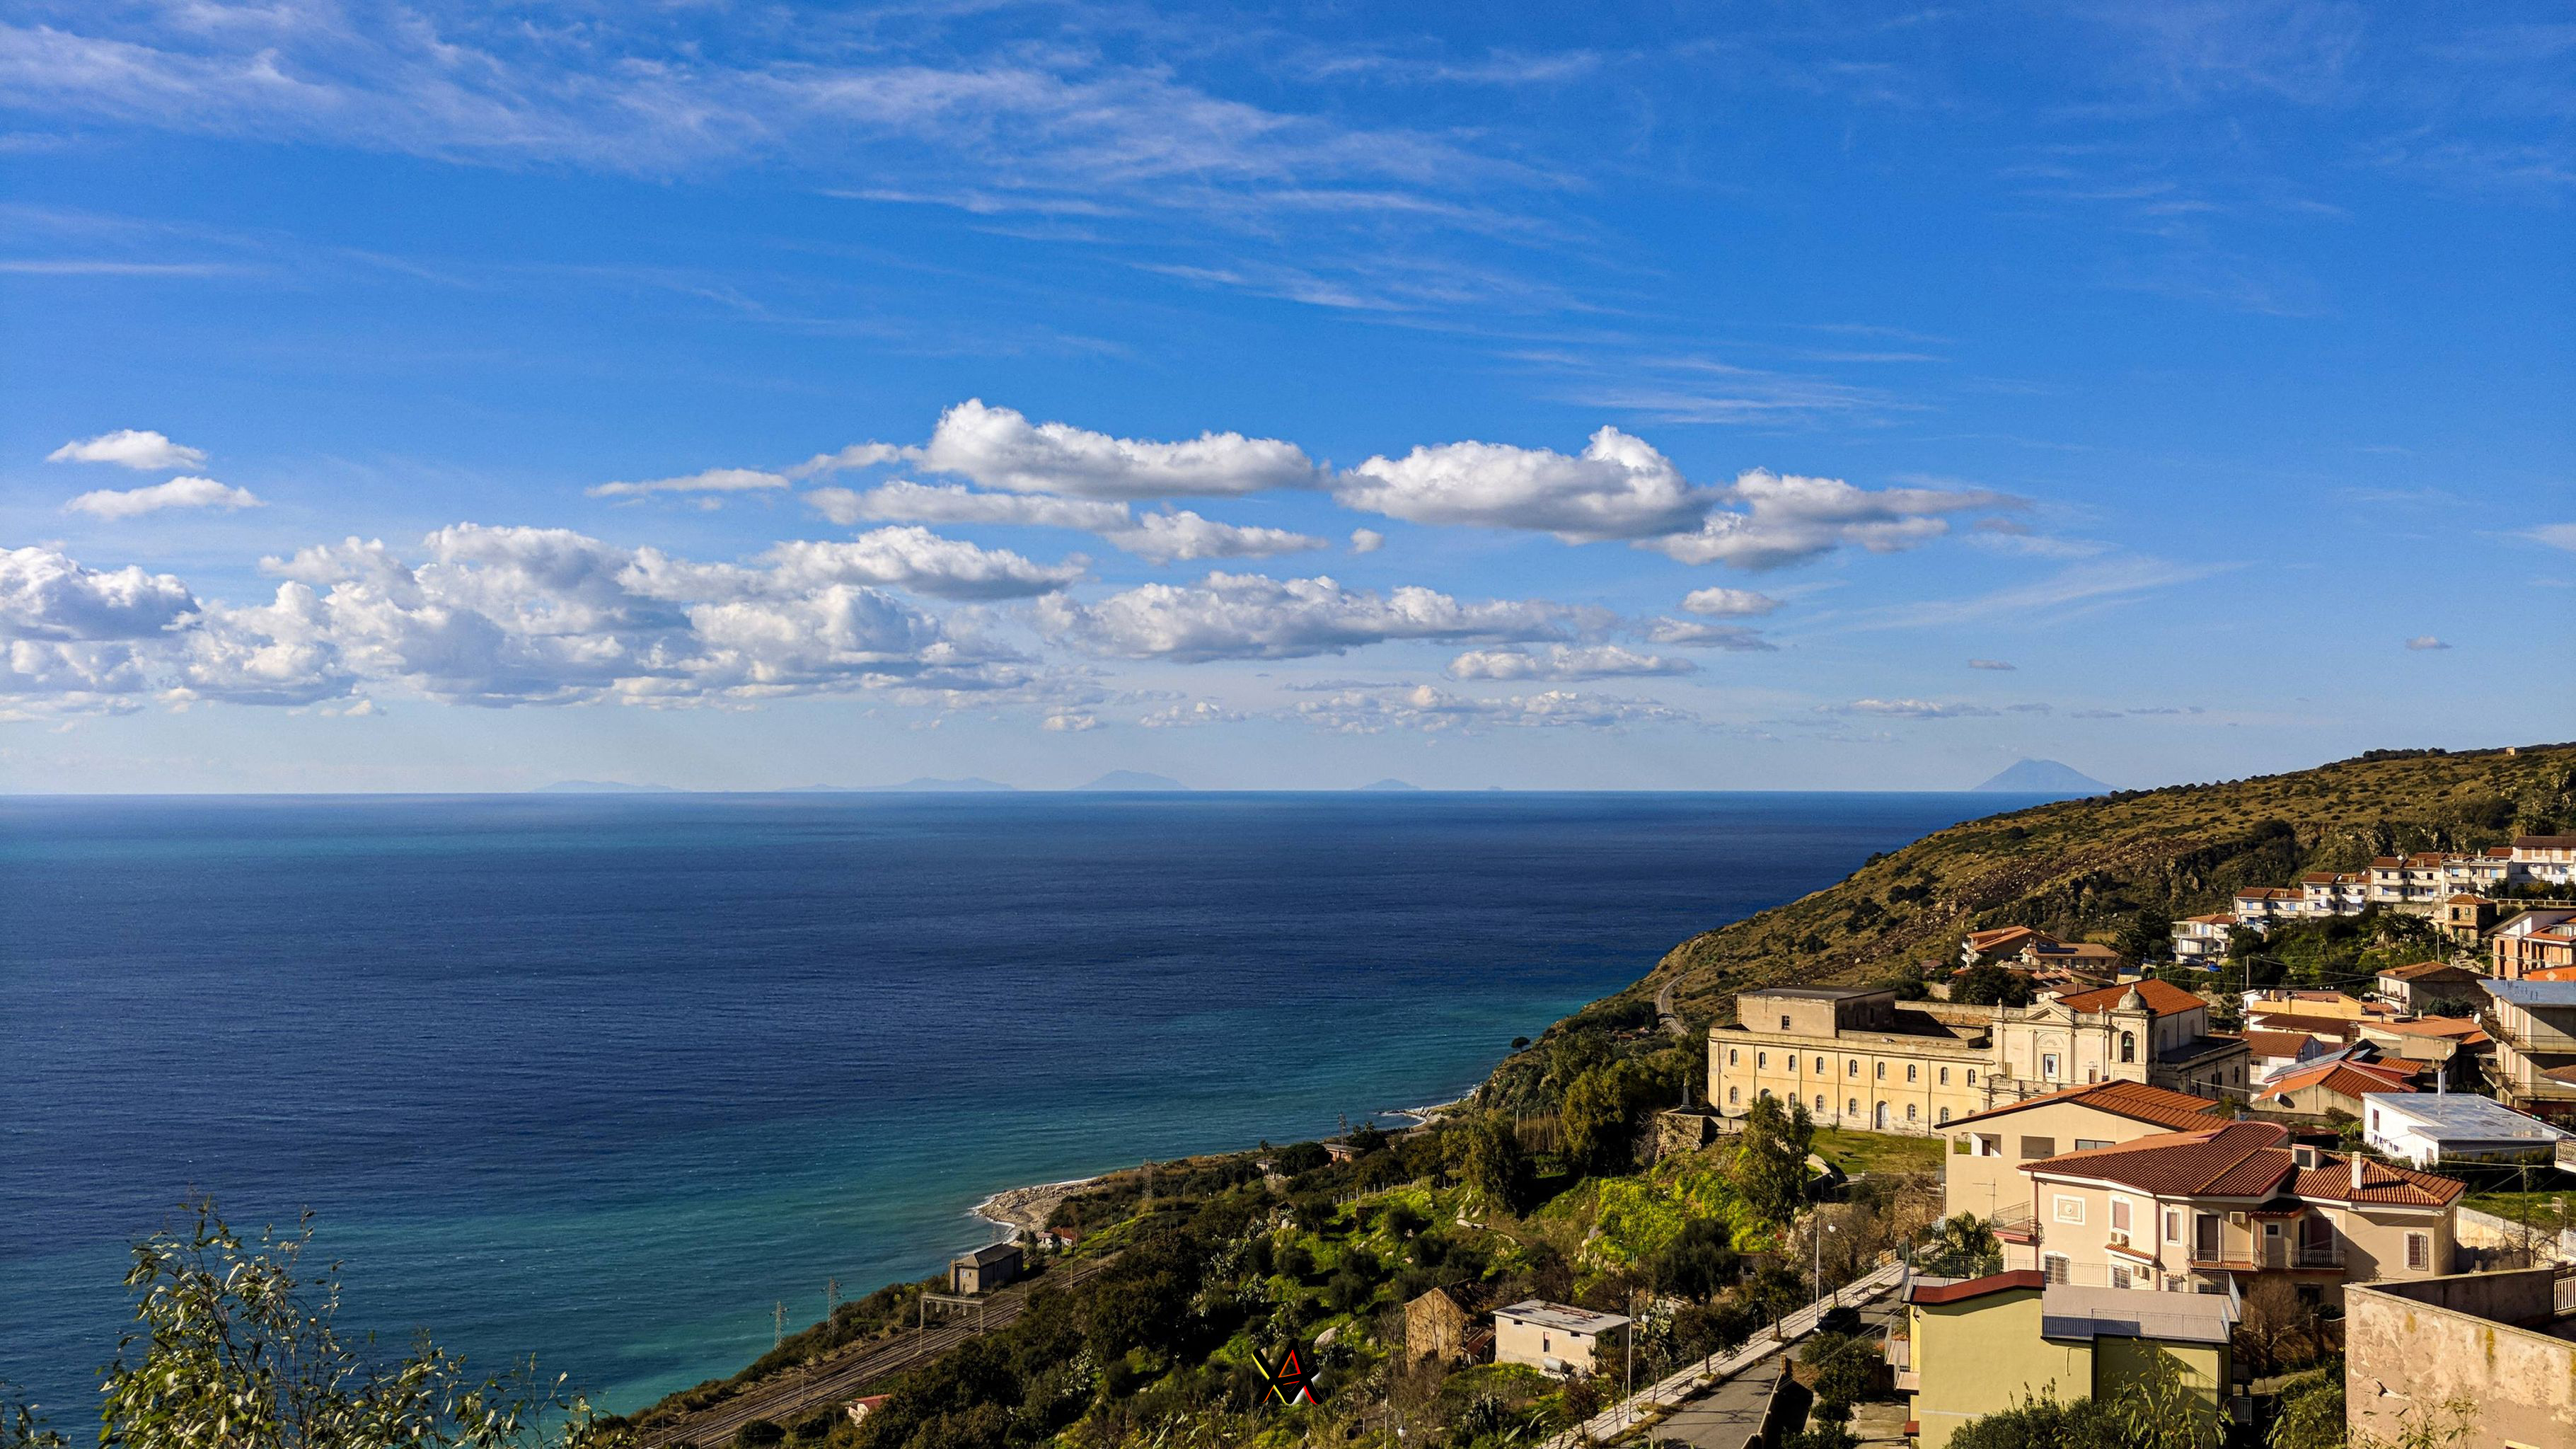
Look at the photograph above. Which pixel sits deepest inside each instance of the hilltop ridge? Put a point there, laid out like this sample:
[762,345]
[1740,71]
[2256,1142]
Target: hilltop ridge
[2088,868]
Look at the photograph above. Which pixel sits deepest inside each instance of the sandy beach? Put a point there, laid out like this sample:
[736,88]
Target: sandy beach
[1025,1209]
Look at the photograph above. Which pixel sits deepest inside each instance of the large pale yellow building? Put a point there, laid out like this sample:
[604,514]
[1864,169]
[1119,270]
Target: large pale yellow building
[1853,1057]
[1983,1173]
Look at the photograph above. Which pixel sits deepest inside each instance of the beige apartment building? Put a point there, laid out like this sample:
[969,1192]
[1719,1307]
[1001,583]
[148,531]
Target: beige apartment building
[1854,1057]
[2193,1211]
[2534,1069]
[1558,1339]
[1983,1174]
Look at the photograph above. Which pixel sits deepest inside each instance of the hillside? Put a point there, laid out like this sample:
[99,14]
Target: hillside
[2088,868]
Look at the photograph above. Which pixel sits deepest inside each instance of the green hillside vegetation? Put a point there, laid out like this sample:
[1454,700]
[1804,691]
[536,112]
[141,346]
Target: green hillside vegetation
[2116,869]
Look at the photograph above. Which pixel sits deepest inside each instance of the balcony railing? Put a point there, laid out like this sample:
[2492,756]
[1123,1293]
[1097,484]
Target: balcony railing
[2317,1257]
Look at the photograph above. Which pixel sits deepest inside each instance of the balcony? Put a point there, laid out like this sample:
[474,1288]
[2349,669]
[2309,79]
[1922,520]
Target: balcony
[2330,1256]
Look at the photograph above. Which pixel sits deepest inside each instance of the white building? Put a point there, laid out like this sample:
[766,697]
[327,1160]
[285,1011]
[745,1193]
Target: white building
[1557,1339]
[2430,1129]
[2550,858]
[2201,940]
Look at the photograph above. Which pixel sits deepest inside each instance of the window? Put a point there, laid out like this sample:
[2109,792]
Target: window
[2085,1144]
[1734,1095]
[2173,1225]
[2128,1046]
[1945,1076]
[1909,1071]
[1945,1116]
[2048,1066]
[1761,1059]
[1784,1021]
[1909,1112]
[1730,1056]
[2053,1266]
[1972,1076]
[1852,1068]
[1882,1071]
[1990,1144]
[2119,1276]
[1820,1101]
[2038,1147]
[1852,1106]
[2070,1209]
[2374,1119]
[2419,1251]
[2120,1214]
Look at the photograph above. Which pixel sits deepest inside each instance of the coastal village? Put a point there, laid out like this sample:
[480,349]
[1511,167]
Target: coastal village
[2202,1187]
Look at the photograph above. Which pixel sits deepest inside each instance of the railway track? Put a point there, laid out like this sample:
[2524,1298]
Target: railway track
[842,1378]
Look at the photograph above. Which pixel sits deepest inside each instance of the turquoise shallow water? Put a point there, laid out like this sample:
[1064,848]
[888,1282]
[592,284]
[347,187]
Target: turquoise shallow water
[602,1078]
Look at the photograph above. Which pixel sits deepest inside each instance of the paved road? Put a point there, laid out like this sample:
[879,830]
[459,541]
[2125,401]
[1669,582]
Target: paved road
[1694,1382]
[1664,1012]
[840,1379]
[1723,1417]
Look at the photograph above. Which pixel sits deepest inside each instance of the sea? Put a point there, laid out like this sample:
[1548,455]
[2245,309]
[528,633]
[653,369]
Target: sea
[613,1080]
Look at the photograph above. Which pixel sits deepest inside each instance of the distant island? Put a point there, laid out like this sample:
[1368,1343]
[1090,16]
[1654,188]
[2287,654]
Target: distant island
[1391,783]
[1133,780]
[601,787]
[2044,777]
[918,785]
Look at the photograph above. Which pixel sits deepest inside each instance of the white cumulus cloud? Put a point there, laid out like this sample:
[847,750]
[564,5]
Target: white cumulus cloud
[1563,661]
[137,448]
[1181,535]
[1698,634]
[1250,616]
[1000,448]
[917,559]
[1618,487]
[903,501]
[115,503]
[1782,519]
[46,594]
[856,455]
[1728,603]
[1367,540]
[1432,710]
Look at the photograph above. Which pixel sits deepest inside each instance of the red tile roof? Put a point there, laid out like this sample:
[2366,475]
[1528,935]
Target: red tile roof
[1937,1293]
[2423,969]
[2162,997]
[2340,1028]
[2134,1100]
[2350,1079]
[2276,1043]
[2246,1160]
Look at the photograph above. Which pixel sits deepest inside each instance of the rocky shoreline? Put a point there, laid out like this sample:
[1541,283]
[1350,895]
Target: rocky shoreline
[1018,1210]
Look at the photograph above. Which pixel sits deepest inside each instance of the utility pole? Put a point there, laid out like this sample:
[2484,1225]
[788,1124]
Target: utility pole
[831,1296]
[778,1323]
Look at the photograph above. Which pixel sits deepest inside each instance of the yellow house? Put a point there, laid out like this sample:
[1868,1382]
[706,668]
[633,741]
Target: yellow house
[1984,1176]
[1982,1345]
[1557,1338]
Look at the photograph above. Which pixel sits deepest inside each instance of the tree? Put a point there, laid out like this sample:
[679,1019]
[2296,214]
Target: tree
[1846,1368]
[1599,1115]
[1699,1263]
[1987,984]
[2145,936]
[233,1350]
[2311,1413]
[1771,1158]
[2425,1426]
[2162,1409]
[2043,1423]
[19,1426]
[1963,1247]
[1486,1154]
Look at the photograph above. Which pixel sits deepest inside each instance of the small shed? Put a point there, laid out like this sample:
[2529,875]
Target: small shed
[1441,1323]
[984,1269]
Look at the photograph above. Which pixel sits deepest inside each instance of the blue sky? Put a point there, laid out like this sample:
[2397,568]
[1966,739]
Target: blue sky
[1717,397]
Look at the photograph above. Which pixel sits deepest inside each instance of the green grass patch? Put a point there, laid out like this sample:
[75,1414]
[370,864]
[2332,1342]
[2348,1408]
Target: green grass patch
[2546,1208]
[1859,1152]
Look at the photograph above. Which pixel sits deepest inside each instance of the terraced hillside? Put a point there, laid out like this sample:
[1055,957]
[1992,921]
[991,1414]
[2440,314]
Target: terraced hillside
[2099,868]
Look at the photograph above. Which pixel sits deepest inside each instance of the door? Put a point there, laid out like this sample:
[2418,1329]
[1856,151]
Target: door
[2204,1238]
[1882,1116]
[2272,1246]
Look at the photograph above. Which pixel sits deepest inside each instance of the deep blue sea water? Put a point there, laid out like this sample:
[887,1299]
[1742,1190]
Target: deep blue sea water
[601,1078]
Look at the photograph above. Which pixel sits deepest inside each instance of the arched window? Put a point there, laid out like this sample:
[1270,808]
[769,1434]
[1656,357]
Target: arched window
[1909,1111]
[1761,1059]
[1734,1095]
[2128,1046]
[1945,1076]
[1766,1094]
[1972,1076]
[1820,1066]
[1730,1056]
[1852,1068]
[1945,1114]
[1909,1071]
[1820,1101]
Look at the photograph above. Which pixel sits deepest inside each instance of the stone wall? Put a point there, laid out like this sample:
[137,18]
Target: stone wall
[2413,1349]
